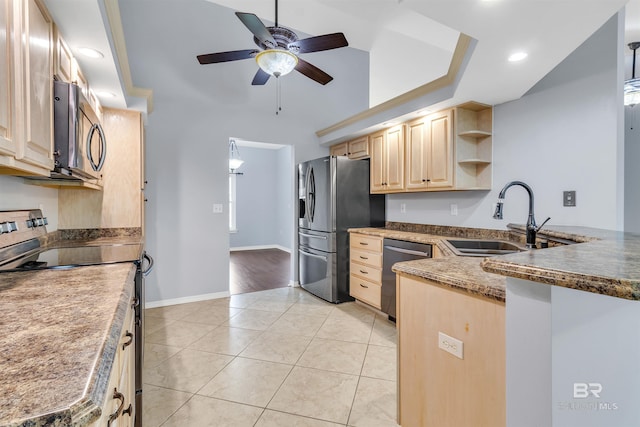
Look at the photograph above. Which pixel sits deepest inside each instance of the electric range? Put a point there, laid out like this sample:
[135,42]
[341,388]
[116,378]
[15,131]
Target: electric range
[23,248]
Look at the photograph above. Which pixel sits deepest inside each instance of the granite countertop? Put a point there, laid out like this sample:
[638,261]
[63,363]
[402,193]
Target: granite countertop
[606,262]
[58,336]
[456,272]
[594,260]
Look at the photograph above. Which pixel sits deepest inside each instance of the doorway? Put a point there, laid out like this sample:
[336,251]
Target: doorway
[261,223]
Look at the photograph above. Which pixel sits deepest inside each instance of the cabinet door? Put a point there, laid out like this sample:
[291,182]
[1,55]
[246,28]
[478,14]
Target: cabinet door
[394,158]
[416,161]
[7,78]
[358,148]
[440,154]
[377,165]
[339,149]
[37,146]
[63,60]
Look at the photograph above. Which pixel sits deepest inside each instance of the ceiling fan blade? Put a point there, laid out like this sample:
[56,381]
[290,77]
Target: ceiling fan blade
[255,25]
[260,78]
[234,55]
[319,43]
[313,72]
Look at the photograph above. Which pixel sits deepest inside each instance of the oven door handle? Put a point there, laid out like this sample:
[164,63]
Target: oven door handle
[149,258]
[312,255]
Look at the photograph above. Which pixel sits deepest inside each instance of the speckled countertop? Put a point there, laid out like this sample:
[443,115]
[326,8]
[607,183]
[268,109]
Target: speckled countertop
[588,259]
[58,334]
[447,269]
[59,331]
[607,262]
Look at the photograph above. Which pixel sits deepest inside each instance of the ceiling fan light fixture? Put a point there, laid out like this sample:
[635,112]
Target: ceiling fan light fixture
[276,62]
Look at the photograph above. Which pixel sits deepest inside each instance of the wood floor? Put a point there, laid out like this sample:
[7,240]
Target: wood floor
[258,270]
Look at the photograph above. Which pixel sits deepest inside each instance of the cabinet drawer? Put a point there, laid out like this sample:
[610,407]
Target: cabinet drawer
[365,290]
[369,243]
[366,272]
[369,258]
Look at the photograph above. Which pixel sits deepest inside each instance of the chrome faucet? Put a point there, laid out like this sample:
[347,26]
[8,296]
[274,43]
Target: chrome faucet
[532,228]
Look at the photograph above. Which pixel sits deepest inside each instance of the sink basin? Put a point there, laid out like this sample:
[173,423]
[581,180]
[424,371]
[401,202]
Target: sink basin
[483,247]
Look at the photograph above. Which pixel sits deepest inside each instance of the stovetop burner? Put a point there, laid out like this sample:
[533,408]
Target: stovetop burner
[20,249]
[75,256]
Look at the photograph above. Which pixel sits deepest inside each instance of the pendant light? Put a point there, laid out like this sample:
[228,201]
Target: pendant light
[632,86]
[234,156]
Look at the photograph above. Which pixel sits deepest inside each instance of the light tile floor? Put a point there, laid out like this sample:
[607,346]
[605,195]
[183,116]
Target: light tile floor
[273,358]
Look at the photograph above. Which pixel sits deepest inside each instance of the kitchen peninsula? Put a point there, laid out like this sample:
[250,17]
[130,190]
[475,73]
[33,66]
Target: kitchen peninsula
[563,343]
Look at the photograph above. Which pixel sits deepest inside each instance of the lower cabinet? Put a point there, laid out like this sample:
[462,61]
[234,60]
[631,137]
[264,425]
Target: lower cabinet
[365,269]
[119,404]
[437,388]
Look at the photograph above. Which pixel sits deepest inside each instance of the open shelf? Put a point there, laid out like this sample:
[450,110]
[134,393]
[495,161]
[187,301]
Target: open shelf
[475,134]
[474,162]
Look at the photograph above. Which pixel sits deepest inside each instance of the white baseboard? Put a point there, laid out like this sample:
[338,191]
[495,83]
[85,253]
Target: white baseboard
[184,300]
[294,284]
[259,247]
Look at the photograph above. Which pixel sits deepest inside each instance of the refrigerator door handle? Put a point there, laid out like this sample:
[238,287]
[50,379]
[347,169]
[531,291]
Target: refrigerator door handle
[313,236]
[312,255]
[311,199]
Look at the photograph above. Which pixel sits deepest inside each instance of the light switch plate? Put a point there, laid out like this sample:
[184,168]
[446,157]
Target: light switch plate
[450,345]
[217,208]
[568,198]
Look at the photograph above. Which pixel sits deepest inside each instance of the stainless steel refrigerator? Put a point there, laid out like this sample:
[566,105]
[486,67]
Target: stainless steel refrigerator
[333,197]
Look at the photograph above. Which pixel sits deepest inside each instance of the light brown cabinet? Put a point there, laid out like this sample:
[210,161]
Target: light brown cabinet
[356,149]
[474,146]
[8,144]
[429,160]
[365,268]
[387,160]
[436,388]
[121,201]
[118,409]
[26,115]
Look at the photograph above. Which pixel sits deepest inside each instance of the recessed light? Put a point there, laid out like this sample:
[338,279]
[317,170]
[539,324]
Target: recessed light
[518,56]
[90,53]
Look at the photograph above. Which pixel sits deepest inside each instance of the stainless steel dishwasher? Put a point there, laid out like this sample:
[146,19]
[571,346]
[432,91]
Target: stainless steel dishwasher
[397,251]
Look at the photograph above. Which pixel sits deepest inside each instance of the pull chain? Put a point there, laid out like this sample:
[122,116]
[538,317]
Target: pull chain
[278,97]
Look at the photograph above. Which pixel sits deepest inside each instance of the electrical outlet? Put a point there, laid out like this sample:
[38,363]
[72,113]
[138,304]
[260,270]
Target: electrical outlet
[450,345]
[403,208]
[568,198]
[454,209]
[217,208]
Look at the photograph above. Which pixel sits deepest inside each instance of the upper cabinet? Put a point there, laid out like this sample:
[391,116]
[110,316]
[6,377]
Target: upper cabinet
[8,144]
[387,160]
[474,146]
[356,149]
[26,113]
[444,151]
[429,160]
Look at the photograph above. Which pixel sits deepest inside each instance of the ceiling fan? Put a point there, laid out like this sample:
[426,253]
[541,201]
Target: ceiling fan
[278,51]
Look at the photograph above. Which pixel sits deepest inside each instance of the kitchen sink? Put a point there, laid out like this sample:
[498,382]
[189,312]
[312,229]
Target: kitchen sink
[483,247]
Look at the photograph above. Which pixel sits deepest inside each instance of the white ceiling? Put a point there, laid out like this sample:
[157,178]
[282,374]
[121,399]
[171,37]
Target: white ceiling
[409,42]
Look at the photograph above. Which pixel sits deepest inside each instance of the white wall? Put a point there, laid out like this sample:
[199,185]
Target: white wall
[632,169]
[564,134]
[264,195]
[15,194]
[187,171]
